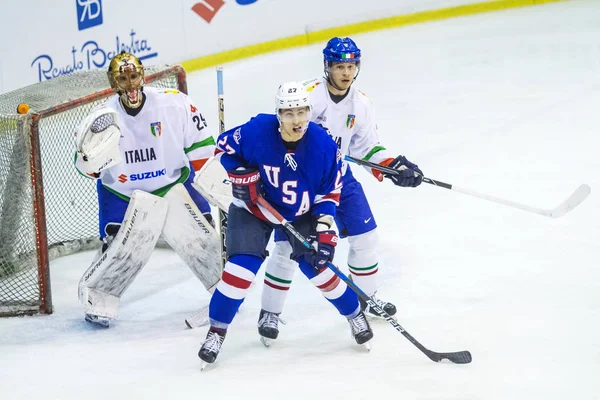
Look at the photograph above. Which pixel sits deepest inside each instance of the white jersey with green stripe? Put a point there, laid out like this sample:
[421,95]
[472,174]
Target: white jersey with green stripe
[351,122]
[157,145]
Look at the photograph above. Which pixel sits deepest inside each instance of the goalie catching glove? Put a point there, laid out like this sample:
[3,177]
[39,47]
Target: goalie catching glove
[97,141]
[324,239]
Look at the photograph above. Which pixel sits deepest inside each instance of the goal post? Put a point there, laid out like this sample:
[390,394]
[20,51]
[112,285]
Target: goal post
[47,209]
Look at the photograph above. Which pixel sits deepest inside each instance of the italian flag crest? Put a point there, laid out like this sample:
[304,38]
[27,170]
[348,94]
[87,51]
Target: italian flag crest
[350,121]
[156,129]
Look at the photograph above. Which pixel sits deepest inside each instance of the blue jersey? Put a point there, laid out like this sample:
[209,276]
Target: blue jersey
[296,181]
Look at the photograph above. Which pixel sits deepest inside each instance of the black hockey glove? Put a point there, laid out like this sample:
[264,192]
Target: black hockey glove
[324,239]
[410,176]
[246,184]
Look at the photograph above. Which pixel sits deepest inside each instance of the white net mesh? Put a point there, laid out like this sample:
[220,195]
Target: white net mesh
[68,199]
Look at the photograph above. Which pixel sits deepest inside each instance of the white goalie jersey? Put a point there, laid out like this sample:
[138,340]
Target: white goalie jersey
[351,122]
[157,146]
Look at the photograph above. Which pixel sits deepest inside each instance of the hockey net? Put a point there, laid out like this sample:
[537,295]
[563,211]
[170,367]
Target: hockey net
[47,209]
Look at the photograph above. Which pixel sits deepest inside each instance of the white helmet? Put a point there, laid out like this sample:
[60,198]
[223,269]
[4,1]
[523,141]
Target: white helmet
[291,95]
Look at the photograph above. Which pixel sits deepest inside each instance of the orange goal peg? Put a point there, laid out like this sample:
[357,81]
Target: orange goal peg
[22,108]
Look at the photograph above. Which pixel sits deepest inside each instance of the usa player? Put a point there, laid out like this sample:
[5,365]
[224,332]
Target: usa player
[296,166]
[348,116]
[139,146]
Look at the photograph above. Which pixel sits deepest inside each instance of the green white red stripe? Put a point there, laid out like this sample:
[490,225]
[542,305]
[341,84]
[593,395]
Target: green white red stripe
[277,283]
[347,55]
[364,271]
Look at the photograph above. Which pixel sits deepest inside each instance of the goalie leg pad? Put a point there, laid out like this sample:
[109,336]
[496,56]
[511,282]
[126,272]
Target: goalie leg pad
[192,237]
[99,303]
[196,197]
[113,271]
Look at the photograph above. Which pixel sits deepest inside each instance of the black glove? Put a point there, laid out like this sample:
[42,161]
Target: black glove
[411,176]
[325,240]
[246,184]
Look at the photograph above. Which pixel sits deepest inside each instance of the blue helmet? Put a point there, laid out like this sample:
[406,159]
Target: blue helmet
[341,50]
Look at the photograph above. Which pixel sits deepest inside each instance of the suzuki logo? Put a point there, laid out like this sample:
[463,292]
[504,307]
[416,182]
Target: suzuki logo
[143,175]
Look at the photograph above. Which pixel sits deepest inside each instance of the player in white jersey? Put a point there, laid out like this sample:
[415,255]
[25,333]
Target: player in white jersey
[144,144]
[348,116]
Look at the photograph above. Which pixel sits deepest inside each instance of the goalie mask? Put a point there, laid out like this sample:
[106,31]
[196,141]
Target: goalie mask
[126,77]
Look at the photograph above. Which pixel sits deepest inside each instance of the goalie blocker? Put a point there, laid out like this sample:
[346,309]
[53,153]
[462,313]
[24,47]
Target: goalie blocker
[182,225]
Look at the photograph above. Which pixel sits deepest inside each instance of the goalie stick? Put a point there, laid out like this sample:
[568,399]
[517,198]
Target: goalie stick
[222,213]
[200,317]
[458,357]
[576,198]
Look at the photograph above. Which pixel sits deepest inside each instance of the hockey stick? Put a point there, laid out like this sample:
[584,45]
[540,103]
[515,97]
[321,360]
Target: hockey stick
[222,214]
[576,198]
[459,357]
[200,317]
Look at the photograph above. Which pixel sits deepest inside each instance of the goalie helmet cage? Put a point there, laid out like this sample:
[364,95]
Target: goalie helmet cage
[47,209]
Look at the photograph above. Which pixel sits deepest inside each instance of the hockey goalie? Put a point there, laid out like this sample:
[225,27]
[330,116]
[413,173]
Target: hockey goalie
[143,146]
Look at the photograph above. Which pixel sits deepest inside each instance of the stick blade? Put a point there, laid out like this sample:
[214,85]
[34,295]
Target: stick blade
[578,196]
[198,319]
[458,357]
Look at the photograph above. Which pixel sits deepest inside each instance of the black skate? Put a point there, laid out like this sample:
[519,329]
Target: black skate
[389,308]
[212,346]
[361,330]
[268,326]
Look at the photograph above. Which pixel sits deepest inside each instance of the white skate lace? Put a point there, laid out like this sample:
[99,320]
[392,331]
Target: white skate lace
[270,320]
[213,342]
[358,324]
[380,303]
